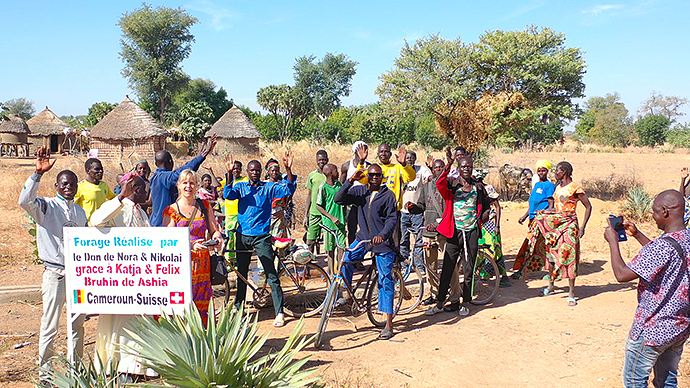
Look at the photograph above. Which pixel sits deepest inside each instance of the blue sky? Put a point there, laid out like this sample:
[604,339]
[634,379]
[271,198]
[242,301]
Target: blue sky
[64,54]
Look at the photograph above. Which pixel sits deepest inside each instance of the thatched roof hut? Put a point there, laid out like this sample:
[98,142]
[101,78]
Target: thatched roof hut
[129,133]
[13,133]
[14,130]
[48,130]
[236,133]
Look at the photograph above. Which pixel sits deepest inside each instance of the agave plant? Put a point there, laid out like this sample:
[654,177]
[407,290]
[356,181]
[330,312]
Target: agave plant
[224,354]
[638,204]
[79,374]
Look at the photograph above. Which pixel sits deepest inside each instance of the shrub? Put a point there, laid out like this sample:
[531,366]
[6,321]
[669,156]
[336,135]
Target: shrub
[81,374]
[679,136]
[638,204]
[507,150]
[612,187]
[481,157]
[226,353]
[651,130]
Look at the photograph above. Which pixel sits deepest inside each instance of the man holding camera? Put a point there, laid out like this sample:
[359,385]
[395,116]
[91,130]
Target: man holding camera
[662,321]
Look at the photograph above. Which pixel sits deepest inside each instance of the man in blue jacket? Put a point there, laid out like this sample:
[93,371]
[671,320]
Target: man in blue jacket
[254,219]
[164,180]
[377,215]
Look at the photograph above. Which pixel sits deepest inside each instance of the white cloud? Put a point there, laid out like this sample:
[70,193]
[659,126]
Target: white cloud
[220,17]
[601,8]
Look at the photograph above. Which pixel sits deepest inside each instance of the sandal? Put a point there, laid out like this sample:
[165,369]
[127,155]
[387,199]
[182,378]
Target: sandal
[572,301]
[386,334]
[546,291]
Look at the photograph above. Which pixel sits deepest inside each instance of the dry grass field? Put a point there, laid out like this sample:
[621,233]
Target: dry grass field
[519,340]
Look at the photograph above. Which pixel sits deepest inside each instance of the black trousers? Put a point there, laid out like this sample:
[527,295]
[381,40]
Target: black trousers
[351,224]
[455,253]
[263,247]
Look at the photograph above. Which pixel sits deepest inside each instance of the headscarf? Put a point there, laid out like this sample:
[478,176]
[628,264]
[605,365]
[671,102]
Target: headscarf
[543,163]
[357,144]
[126,177]
[140,162]
[271,162]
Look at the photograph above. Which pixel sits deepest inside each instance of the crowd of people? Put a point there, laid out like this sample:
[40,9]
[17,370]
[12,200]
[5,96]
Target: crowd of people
[409,212]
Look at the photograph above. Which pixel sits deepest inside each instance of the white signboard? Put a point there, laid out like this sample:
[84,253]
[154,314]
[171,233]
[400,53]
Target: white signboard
[127,270]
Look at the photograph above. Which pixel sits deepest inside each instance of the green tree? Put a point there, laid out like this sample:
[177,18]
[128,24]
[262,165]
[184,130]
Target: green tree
[196,119]
[612,127]
[97,111]
[325,81]
[21,107]
[427,135]
[288,105]
[204,90]
[154,43]
[593,108]
[518,81]
[651,130]
[667,106]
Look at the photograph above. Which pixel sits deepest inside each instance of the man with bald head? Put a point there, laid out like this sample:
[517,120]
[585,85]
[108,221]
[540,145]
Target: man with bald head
[164,180]
[662,321]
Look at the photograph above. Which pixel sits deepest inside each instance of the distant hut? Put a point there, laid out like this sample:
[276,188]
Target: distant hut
[236,133]
[128,133]
[48,130]
[13,136]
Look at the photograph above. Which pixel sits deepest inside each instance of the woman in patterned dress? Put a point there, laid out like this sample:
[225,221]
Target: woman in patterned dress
[558,230]
[177,215]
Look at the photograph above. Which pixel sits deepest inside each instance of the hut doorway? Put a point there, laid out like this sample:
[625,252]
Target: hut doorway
[54,143]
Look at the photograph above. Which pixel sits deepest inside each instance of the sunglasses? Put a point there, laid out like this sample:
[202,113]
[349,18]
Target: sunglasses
[373,174]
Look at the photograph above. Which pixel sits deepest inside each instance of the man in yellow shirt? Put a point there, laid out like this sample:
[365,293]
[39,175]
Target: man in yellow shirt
[92,192]
[395,175]
[234,168]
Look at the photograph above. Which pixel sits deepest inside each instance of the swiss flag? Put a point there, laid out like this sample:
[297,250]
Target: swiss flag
[177,298]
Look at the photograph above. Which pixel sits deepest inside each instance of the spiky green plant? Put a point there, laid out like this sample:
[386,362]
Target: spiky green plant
[638,204]
[80,374]
[224,354]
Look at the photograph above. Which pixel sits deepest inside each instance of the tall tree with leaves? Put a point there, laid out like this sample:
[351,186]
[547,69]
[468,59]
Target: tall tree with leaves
[21,107]
[518,81]
[154,43]
[325,81]
[204,90]
[290,106]
[97,111]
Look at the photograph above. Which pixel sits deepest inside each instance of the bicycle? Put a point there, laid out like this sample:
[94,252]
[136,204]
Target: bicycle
[359,303]
[487,277]
[303,282]
[413,277]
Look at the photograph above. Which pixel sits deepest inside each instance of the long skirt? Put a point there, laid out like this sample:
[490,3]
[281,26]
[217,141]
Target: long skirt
[554,237]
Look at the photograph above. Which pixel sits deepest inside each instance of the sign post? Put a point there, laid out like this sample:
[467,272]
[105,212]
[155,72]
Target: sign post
[130,271]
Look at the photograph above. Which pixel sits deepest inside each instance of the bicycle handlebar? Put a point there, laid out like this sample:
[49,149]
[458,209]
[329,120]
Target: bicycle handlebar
[335,237]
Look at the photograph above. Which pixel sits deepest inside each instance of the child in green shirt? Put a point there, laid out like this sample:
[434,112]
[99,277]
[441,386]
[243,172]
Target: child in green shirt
[333,215]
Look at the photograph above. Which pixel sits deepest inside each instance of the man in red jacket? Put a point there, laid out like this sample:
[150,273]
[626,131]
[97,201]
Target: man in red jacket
[467,205]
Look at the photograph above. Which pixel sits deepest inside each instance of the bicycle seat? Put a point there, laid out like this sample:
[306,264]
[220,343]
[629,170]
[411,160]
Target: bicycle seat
[281,243]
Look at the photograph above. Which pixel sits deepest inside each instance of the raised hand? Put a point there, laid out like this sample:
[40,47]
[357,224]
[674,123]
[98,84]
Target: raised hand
[208,148]
[430,162]
[401,155]
[362,153]
[43,163]
[357,176]
[287,160]
[207,166]
[229,162]
[127,188]
[449,156]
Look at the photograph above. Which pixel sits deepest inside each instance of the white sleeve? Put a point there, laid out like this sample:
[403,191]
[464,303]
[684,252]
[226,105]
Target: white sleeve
[104,214]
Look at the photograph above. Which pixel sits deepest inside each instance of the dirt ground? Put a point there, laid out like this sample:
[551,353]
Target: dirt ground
[519,340]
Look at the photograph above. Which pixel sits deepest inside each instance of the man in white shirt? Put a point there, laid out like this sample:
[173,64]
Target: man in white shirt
[112,341]
[412,222]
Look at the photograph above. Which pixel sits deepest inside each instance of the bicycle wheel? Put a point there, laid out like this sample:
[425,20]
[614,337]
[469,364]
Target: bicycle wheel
[413,291]
[304,288]
[486,279]
[376,317]
[221,296]
[326,312]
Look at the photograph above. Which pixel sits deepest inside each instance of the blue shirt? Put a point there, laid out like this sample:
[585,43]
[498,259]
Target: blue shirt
[539,199]
[164,190]
[254,205]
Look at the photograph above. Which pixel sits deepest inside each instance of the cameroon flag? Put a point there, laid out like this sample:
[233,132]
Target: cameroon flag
[78,296]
